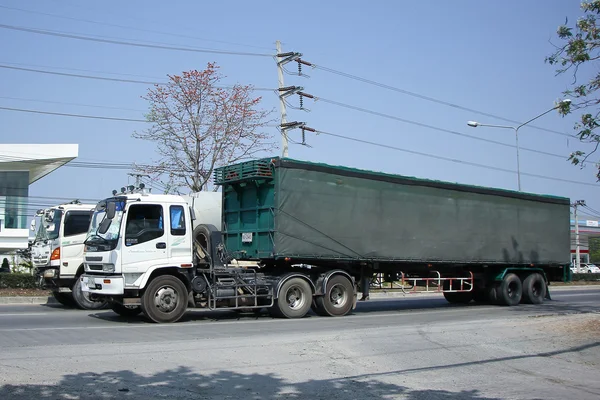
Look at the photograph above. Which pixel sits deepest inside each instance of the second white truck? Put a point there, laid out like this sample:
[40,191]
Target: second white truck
[57,253]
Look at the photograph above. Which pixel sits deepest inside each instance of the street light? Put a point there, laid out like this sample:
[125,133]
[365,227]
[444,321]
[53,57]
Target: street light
[475,124]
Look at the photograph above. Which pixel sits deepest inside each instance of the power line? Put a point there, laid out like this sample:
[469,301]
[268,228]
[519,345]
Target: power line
[70,104]
[452,159]
[127,43]
[130,27]
[376,113]
[73,115]
[103,78]
[431,99]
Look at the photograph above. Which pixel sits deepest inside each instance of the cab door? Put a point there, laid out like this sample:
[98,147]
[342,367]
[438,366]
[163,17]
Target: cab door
[145,241]
[180,241]
[74,231]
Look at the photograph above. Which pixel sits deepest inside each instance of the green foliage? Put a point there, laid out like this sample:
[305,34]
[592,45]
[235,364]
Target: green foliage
[594,244]
[585,277]
[578,54]
[17,281]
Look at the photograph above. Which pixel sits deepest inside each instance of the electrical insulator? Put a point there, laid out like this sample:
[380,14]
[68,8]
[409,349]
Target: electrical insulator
[299,68]
[301,102]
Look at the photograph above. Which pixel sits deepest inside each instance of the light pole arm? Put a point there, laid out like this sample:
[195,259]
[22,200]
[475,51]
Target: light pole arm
[534,118]
[497,126]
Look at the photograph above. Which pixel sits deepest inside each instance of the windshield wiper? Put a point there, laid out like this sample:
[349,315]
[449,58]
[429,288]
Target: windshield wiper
[93,236]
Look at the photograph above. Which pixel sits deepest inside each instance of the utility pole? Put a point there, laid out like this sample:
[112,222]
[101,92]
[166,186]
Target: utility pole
[577,257]
[284,138]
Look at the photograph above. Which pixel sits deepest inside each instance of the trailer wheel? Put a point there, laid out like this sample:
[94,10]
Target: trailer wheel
[66,299]
[125,311]
[294,300]
[456,297]
[85,300]
[534,289]
[338,298]
[165,299]
[510,290]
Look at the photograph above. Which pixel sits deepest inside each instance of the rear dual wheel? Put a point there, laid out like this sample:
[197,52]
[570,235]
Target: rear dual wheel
[294,299]
[338,298]
[511,291]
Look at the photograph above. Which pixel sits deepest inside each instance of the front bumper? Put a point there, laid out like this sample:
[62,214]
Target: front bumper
[111,285]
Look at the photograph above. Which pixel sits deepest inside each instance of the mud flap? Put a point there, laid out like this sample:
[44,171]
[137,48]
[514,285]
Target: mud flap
[548,293]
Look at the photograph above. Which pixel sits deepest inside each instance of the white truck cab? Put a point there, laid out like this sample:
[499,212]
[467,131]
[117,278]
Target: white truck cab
[135,235]
[57,252]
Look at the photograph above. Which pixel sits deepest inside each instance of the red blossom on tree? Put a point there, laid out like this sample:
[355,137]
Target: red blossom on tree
[199,126]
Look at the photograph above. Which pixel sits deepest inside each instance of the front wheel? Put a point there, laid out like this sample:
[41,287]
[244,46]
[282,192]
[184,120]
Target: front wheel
[165,299]
[125,311]
[85,300]
[66,299]
[294,300]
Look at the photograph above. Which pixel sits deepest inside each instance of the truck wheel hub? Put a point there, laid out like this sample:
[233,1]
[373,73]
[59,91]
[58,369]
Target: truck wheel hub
[166,299]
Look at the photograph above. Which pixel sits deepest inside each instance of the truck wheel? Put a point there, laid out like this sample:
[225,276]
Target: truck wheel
[125,311]
[534,289]
[165,299]
[338,297]
[294,300]
[456,297]
[84,301]
[510,290]
[66,299]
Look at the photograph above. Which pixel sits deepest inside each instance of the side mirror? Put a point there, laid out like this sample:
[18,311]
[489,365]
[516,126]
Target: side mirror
[111,209]
[104,225]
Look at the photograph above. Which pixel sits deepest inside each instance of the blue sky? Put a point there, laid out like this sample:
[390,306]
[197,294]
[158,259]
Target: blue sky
[483,55]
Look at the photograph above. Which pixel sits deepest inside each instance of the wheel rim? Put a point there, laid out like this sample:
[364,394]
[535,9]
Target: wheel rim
[295,297]
[165,299]
[338,296]
[512,289]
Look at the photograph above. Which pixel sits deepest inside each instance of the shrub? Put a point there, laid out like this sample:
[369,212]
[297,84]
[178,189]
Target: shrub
[17,281]
[585,277]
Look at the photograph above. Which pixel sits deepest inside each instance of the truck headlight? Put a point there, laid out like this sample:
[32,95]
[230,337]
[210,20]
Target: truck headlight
[109,268]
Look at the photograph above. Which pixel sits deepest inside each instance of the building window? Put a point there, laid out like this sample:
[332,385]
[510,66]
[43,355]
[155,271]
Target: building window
[14,191]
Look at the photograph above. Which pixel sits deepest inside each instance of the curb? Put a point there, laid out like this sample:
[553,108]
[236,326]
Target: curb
[373,295]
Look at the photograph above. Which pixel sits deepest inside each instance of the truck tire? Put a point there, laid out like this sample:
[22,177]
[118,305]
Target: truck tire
[456,297]
[66,299]
[125,311]
[510,290]
[534,289]
[294,300]
[165,299]
[84,301]
[338,298]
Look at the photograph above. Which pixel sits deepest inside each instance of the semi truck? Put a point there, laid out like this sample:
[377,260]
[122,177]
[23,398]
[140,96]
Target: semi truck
[318,235]
[57,252]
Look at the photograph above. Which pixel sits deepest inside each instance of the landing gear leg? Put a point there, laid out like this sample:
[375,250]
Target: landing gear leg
[365,283]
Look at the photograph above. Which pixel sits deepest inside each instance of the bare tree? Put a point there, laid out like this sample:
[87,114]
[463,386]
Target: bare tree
[198,125]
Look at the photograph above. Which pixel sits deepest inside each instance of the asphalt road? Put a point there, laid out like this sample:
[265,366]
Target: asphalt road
[410,348]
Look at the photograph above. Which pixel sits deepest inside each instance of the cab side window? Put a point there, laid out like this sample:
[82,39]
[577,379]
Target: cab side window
[177,220]
[77,222]
[144,223]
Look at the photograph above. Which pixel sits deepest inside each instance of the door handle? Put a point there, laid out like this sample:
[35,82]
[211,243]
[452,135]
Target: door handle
[161,245]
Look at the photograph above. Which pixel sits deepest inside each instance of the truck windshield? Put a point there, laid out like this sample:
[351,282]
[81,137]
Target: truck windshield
[112,234]
[49,225]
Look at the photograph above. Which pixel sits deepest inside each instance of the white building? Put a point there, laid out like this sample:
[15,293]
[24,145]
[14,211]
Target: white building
[20,166]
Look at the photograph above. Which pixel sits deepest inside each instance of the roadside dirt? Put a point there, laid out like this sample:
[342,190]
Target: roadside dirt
[24,292]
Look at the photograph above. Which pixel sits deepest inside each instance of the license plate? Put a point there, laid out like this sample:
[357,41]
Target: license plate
[91,283]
